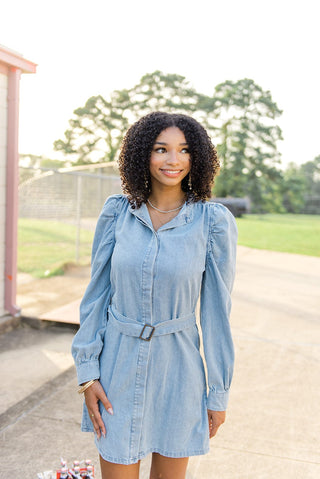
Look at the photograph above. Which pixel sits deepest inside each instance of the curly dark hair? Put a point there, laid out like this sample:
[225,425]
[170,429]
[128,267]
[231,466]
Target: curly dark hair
[137,144]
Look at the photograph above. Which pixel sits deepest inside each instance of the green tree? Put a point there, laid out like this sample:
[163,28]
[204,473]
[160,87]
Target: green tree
[240,115]
[96,129]
[158,91]
[294,188]
[301,187]
[247,144]
[311,172]
[39,161]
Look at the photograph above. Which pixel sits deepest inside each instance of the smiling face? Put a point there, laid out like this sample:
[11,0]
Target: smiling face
[170,159]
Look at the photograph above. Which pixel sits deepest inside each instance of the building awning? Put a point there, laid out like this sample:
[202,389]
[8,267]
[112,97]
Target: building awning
[14,59]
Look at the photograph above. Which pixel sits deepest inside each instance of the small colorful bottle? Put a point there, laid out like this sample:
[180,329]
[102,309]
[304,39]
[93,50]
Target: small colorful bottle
[64,473]
[90,472]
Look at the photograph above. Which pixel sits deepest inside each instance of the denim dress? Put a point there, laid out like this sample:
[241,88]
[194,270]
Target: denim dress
[138,333]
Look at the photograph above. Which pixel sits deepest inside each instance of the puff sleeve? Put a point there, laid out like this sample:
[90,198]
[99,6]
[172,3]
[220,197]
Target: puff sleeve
[88,341]
[215,305]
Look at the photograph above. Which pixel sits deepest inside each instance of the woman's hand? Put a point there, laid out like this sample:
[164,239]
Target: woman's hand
[215,418]
[93,395]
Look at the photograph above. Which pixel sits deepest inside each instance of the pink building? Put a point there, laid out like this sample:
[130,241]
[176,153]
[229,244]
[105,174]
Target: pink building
[12,65]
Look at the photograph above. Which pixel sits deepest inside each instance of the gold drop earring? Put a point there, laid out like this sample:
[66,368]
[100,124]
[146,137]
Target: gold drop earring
[146,181]
[190,182]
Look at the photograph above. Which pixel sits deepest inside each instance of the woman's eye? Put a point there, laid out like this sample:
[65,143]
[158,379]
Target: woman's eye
[185,150]
[160,150]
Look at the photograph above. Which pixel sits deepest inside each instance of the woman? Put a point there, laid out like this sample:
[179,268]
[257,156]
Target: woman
[137,350]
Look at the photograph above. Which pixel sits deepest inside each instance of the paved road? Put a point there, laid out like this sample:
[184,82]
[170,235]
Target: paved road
[272,428]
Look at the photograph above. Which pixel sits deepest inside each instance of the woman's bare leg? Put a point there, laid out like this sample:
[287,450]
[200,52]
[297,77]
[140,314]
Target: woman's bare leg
[168,467]
[109,470]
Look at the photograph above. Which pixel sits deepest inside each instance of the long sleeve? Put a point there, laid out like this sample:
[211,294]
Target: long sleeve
[88,342]
[215,305]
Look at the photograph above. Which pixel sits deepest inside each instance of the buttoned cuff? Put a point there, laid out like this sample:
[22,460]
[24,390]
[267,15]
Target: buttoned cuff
[88,370]
[217,401]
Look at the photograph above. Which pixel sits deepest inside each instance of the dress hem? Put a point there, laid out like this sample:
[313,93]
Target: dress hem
[142,455]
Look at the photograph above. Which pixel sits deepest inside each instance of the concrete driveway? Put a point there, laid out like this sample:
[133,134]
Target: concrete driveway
[272,428]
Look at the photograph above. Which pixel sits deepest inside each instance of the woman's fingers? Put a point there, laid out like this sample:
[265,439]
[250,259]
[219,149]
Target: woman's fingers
[105,401]
[215,418]
[97,422]
[212,430]
[93,395]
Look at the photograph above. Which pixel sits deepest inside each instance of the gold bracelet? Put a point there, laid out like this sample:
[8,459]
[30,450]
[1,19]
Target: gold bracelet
[86,386]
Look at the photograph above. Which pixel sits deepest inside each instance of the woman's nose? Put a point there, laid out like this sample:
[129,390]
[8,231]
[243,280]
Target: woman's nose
[173,157]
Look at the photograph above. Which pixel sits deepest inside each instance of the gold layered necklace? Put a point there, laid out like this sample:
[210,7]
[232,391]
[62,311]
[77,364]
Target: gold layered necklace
[161,217]
[164,211]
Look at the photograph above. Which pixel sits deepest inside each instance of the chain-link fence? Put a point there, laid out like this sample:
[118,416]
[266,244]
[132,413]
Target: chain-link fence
[69,197]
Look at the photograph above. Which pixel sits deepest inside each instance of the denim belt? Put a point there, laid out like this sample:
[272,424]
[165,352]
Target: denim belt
[131,327]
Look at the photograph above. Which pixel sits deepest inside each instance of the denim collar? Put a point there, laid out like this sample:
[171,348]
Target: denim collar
[184,216]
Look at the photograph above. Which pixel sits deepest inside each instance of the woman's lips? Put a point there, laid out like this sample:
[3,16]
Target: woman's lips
[171,173]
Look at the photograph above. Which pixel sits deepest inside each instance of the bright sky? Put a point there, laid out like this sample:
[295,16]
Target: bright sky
[85,48]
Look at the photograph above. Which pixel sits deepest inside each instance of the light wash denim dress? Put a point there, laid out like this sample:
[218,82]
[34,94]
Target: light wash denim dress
[138,331]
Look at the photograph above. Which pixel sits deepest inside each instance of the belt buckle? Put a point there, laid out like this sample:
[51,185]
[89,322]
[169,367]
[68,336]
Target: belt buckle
[150,335]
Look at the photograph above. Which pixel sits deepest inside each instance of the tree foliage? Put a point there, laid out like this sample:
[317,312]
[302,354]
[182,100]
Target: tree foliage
[240,116]
[311,172]
[301,187]
[96,130]
[38,161]
[248,137]
[294,189]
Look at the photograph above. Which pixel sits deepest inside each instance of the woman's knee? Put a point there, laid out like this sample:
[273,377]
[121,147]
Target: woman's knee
[167,467]
[110,470]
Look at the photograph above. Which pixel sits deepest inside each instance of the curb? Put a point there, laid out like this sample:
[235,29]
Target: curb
[23,407]
[8,323]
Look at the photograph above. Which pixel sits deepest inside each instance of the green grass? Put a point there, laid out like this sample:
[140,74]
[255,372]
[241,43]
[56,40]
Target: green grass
[45,247]
[299,234]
